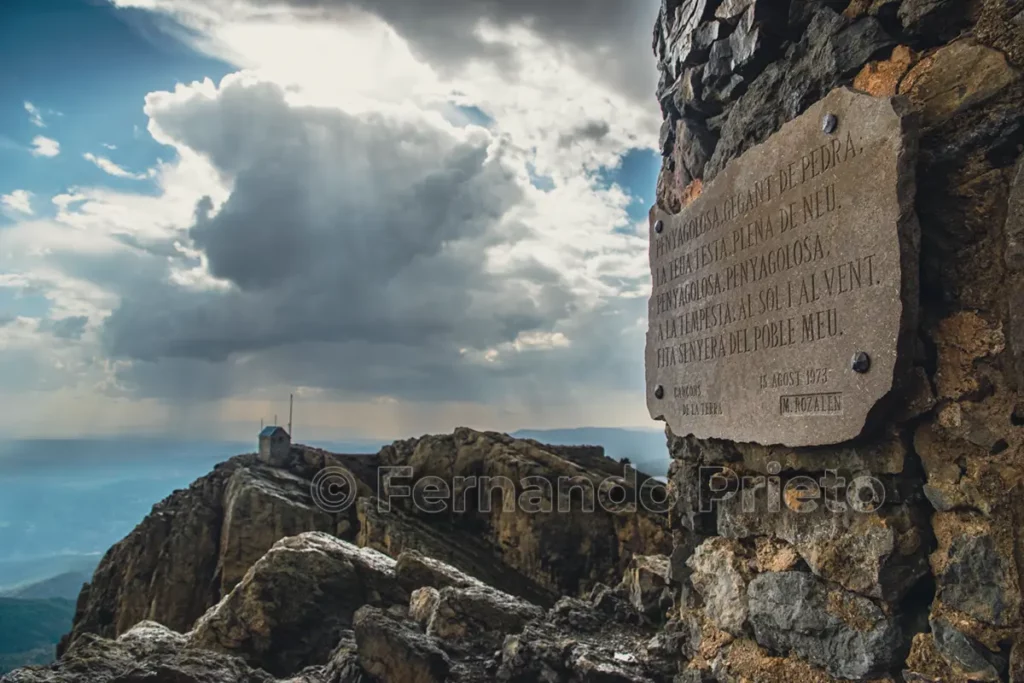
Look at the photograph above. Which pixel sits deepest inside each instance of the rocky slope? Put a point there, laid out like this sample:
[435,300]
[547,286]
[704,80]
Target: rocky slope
[316,609]
[197,552]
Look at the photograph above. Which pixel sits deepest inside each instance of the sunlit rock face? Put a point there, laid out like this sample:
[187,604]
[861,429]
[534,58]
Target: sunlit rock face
[223,546]
[934,573]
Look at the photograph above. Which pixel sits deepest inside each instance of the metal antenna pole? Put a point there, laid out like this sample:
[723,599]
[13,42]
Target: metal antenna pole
[291,404]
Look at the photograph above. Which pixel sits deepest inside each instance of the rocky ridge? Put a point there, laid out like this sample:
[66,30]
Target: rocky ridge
[296,616]
[200,542]
[246,575]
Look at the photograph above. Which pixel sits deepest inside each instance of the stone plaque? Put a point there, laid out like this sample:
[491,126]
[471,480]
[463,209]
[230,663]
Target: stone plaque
[784,296]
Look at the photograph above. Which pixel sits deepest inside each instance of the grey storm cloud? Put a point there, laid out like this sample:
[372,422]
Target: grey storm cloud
[612,38]
[356,247]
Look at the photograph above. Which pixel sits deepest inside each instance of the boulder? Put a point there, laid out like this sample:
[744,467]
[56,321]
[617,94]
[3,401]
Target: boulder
[543,652]
[968,657]
[844,633]
[262,506]
[879,554]
[393,652]
[722,568]
[955,77]
[344,666]
[415,570]
[291,607]
[479,612]
[422,603]
[144,653]
[454,606]
[646,582]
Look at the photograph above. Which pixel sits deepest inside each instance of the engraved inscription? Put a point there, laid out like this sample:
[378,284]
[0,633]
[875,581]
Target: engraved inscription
[694,287]
[811,404]
[764,286]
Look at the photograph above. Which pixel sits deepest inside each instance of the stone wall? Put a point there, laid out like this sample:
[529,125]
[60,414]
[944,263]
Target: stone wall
[929,586]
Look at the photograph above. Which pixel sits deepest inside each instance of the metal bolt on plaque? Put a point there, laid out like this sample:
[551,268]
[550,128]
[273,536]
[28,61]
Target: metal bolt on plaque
[828,123]
[861,362]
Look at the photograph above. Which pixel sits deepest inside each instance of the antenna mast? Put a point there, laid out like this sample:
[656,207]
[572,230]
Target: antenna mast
[291,404]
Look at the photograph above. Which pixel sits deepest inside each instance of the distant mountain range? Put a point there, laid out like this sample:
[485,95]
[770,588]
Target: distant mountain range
[645,448]
[66,585]
[30,630]
[28,578]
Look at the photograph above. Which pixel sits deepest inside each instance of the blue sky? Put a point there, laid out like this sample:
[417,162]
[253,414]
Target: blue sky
[99,299]
[87,67]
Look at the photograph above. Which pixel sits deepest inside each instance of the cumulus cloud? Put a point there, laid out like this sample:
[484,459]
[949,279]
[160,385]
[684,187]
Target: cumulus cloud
[18,200]
[44,147]
[383,252]
[382,245]
[350,231]
[109,167]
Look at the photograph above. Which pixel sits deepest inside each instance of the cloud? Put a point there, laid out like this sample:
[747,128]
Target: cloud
[608,39]
[385,251]
[591,130]
[18,200]
[109,146]
[44,147]
[109,167]
[70,328]
[35,116]
[352,231]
